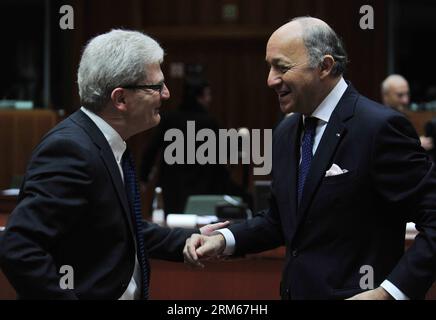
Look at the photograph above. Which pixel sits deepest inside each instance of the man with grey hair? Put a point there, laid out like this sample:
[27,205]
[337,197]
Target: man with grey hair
[77,231]
[395,92]
[348,174]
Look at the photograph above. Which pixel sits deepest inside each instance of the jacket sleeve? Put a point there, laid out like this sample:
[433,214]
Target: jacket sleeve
[262,232]
[405,178]
[52,197]
[165,243]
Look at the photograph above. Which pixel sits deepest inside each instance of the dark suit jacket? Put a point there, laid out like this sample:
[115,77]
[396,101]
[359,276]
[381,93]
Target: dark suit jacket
[430,131]
[73,210]
[351,220]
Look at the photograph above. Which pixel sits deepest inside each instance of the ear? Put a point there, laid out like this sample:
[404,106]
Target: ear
[119,99]
[326,66]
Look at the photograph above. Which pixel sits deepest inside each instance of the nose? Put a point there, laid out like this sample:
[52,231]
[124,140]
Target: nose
[273,78]
[165,94]
[405,100]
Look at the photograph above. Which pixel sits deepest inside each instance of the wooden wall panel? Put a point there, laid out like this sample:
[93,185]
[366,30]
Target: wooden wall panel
[184,12]
[200,21]
[237,72]
[252,12]
[193,31]
[160,12]
[278,12]
[207,13]
[20,132]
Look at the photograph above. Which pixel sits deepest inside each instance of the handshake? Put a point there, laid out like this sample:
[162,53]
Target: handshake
[207,244]
[211,244]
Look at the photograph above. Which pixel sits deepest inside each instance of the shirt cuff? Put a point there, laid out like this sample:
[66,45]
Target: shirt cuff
[230,241]
[396,293]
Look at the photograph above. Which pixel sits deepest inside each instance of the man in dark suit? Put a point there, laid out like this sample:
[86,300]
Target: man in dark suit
[348,174]
[78,214]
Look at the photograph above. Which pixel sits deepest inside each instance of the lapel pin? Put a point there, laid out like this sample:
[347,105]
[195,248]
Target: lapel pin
[338,134]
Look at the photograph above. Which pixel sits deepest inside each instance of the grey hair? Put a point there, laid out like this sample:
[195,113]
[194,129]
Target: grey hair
[113,59]
[320,40]
[386,84]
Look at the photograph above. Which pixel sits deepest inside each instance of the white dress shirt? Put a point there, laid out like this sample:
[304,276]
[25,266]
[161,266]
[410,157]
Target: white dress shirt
[323,113]
[118,146]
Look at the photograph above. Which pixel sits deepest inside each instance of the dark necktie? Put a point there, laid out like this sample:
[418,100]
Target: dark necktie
[306,153]
[132,191]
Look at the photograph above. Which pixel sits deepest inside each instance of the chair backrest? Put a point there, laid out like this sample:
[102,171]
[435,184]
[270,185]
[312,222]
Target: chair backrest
[206,204]
[262,194]
[20,132]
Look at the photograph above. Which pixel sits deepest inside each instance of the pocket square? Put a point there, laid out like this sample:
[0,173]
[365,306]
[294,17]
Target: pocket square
[335,170]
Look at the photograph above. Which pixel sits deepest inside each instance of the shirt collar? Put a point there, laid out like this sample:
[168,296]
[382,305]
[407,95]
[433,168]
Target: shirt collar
[117,144]
[324,111]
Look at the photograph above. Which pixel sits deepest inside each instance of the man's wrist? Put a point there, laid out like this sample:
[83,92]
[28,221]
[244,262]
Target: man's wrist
[394,291]
[384,295]
[222,242]
[229,244]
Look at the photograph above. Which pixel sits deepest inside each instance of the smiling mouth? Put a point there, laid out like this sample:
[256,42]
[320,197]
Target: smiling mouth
[284,94]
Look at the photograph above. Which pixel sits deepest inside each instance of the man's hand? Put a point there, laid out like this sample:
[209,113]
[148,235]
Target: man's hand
[200,246]
[377,294]
[210,228]
[426,142]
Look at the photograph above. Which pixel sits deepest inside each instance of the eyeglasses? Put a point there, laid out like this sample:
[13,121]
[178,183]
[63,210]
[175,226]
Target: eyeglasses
[156,87]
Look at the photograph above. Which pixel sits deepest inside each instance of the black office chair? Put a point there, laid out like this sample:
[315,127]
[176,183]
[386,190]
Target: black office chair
[232,212]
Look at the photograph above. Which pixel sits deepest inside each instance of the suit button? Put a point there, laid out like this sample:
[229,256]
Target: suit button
[295,253]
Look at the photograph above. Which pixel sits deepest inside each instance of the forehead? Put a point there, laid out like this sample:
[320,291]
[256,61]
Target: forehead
[154,72]
[400,86]
[288,49]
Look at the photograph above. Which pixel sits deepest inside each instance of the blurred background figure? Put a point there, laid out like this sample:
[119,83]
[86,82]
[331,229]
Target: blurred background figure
[179,181]
[430,126]
[396,92]
[427,142]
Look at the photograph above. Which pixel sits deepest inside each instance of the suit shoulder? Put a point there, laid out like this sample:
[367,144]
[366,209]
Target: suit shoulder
[369,108]
[69,130]
[375,118]
[374,115]
[66,137]
[286,124]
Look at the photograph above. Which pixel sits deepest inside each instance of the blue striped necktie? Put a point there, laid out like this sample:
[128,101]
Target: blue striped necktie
[306,153]
[132,191]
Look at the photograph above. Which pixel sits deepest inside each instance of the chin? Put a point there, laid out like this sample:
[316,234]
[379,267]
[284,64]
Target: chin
[154,122]
[287,108]
[157,119]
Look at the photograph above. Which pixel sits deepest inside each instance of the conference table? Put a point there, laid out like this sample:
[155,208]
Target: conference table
[252,277]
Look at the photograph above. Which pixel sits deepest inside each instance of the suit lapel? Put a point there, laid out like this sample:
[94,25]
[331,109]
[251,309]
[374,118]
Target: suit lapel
[292,160]
[108,158]
[333,135]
